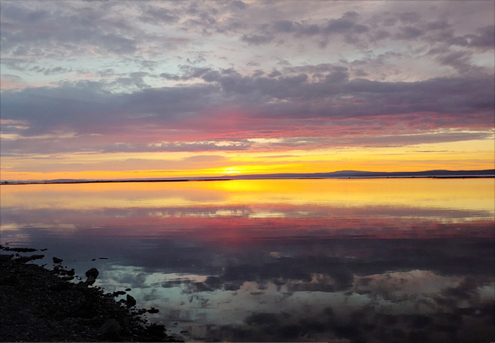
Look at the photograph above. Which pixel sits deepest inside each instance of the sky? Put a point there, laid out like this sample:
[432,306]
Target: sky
[151,89]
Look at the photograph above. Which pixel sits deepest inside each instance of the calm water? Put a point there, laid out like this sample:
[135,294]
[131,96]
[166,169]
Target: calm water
[279,260]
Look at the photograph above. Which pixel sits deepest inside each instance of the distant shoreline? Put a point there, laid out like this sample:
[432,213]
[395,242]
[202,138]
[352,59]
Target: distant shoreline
[353,177]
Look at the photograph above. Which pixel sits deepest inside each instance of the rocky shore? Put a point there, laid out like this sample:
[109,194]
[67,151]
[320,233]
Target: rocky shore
[41,305]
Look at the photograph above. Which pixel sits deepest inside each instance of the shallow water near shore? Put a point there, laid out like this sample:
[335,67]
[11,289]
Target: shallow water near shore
[279,260]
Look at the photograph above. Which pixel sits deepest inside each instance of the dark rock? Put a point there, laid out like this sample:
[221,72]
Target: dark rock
[57,260]
[153,310]
[130,301]
[92,272]
[156,330]
[90,280]
[71,272]
[9,280]
[117,293]
[19,249]
[60,286]
[127,289]
[110,330]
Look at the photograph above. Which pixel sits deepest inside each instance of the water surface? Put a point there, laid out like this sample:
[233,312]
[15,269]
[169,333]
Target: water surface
[279,260]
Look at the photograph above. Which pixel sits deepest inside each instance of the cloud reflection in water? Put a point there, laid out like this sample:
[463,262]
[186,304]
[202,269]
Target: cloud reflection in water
[295,265]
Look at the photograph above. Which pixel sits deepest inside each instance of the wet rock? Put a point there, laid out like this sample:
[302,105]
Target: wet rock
[90,280]
[117,293]
[130,301]
[127,289]
[91,275]
[57,260]
[92,272]
[110,330]
[153,310]
[71,272]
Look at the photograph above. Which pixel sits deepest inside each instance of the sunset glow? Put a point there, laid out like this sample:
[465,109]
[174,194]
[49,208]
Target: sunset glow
[165,89]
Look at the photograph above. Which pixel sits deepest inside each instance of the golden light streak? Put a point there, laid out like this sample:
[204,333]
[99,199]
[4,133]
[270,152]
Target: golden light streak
[474,154]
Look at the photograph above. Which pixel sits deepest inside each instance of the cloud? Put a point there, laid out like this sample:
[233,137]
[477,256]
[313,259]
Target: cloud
[484,39]
[175,76]
[257,39]
[158,15]
[409,32]
[225,102]
[26,32]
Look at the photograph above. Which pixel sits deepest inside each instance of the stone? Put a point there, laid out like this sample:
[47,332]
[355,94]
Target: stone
[110,330]
[130,301]
[92,272]
[60,286]
[57,260]
[90,280]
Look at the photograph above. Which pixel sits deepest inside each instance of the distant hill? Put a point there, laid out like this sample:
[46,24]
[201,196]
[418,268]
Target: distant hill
[367,174]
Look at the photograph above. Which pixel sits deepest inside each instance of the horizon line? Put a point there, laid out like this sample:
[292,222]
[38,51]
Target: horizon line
[341,174]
